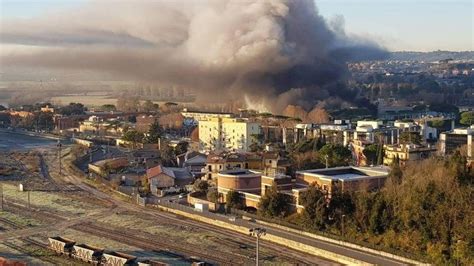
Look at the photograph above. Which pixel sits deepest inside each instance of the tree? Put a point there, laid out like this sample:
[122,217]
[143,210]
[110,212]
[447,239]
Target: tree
[337,155]
[315,214]
[212,195]
[370,153]
[132,119]
[181,147]
[396,174]
[200,186]
[41,121]
[410,138]
[233,200]
[133,136]
[108,107]
[273,203]
[73,109]
[148,106]
[168,155]
[467,118]
[154,132]
[379,217]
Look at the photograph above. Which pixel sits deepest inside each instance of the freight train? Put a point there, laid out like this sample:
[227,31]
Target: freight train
[98,256]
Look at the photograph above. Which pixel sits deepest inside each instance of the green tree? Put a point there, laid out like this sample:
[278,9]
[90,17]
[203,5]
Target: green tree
[467,118]
[410,138]
[212,195]
[315,214]
[201,186]
[108,107]
[168,155]
[337,155]
[379,218]
[181,147]
[73,109]
[370,152]
[133,136]
[233,200]
[273,203]
[154,132]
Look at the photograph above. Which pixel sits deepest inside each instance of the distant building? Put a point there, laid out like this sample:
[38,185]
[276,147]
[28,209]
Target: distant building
[200,115]
[452,140]
[232,134]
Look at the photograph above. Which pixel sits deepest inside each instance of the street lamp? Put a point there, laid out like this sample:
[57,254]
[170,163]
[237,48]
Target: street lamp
[257,232]
[342,224]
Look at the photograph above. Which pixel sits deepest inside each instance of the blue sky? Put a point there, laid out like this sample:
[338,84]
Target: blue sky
[420,25]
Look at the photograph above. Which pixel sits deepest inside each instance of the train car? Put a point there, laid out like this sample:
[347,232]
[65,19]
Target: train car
[87,253]
[61,245]
[114,258]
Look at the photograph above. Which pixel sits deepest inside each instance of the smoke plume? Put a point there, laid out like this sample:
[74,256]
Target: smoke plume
[273,52]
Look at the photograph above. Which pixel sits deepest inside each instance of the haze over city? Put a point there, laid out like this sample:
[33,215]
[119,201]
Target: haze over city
[230,132]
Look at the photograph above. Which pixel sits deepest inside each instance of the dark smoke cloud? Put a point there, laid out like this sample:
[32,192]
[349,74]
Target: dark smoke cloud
[276,52]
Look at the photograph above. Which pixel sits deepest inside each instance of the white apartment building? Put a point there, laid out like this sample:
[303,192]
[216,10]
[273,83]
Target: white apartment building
[224,133]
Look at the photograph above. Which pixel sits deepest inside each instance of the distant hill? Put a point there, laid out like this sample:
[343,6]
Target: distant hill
[431,56]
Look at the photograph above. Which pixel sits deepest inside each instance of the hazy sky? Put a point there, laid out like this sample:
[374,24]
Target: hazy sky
[421,25]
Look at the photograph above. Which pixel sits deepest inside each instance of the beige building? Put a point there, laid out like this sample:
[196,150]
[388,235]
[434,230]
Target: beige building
[407,152]
[223,133]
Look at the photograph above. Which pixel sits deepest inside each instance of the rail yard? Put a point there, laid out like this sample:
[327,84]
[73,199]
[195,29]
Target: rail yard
[52,205]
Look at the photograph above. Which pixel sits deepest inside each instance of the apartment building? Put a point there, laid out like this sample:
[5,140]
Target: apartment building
[224,133]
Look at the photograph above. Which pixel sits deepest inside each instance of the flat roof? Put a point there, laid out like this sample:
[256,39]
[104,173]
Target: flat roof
[238,172]
[346,173]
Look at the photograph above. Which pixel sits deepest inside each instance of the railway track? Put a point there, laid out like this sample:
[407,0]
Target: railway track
[188,251]
[36,213]
[11,224]
[299,258]
[36,249]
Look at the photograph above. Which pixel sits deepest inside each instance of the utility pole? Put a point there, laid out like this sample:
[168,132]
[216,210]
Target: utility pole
[29,206]
[1,193]
[327,163]
[59,155]
[257,232]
